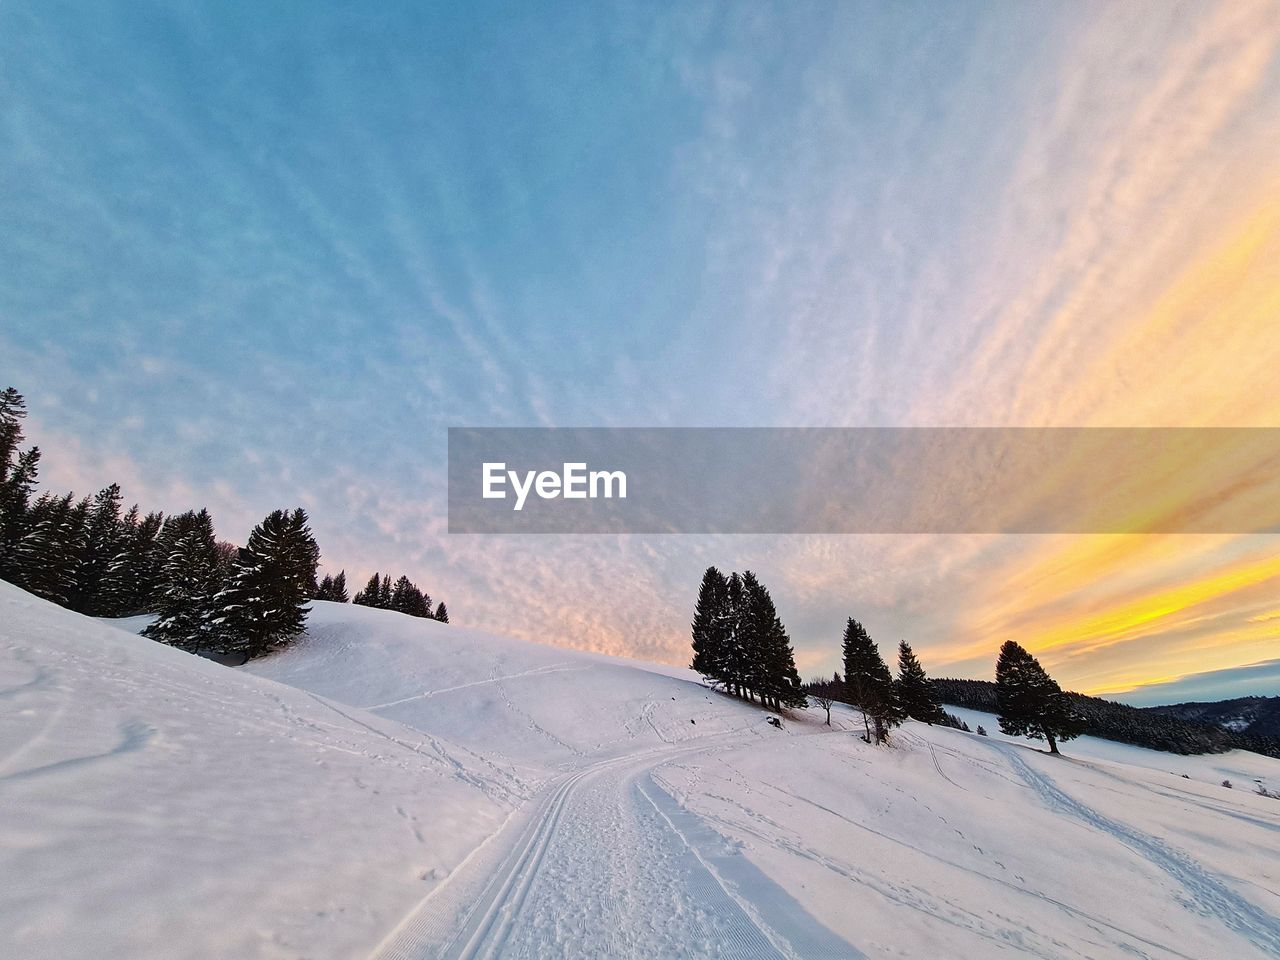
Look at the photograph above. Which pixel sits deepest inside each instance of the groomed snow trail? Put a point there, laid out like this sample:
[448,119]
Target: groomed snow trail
[607,864]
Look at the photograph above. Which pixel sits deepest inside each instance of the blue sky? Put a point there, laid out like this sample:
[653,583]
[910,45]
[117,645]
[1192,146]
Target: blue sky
[264,257]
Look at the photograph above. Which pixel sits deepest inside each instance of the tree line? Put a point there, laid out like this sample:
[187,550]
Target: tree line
[209,596]
[403,596]
[740,644]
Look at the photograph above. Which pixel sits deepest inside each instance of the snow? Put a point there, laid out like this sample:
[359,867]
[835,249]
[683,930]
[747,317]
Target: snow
[1242,768]
[394,787]
[154,804]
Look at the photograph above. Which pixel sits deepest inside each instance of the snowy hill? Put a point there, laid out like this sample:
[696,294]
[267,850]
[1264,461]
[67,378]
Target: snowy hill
[393,787]
[153,804]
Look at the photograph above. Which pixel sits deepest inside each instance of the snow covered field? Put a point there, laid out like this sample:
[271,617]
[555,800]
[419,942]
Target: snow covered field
[393,787]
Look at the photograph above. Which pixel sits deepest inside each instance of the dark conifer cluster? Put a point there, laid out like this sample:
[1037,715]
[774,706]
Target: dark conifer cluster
[867,684]
[740,644]
[209,596]
[333,589]
[403,596]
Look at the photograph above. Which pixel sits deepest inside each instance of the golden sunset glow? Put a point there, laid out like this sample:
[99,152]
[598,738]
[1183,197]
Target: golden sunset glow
[1081,600]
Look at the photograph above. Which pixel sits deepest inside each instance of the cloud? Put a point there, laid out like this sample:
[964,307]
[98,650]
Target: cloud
[1252,679]
[244,268]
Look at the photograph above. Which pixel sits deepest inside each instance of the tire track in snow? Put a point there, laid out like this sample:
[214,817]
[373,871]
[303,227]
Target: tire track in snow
[1210,895]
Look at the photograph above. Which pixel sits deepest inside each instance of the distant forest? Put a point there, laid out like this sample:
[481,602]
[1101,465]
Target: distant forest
[1172,729]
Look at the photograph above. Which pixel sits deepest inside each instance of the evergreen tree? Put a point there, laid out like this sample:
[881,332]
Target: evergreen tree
[188,582]
[115,589]
[104,531]
[869,684]
[710,628]
[402,596]
[915,693]
[442,614]
[325,589]
[18,471]
[47,558]
[739,642]
[754,623]
[264,604]
[735,653]
[1030,701]
[368,597]
[339,589]
[419,603]
[408,599]
[384,593]
[771,668]
[139,566]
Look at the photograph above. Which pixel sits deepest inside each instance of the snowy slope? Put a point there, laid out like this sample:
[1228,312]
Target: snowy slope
[396,788]
[536,708]
[727,837]
[153,804]
[1245,770]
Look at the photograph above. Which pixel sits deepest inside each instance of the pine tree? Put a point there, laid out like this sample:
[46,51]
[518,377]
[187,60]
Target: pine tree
[754,623]
[419,602]
[869,684]
[442,614]
[735,653]
[368,597]
[18,471]
[115,589]
[104,530]
[710,628]
[384,593]
[264,604]
[47,558]
[140,564]
[915,694]
[339,590]
[402,596]
[770,661]
[325,589]
[1031,702]
[408,599]
[188,583]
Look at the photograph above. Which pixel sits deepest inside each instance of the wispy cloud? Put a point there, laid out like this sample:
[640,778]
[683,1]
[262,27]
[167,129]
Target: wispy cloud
[270,256]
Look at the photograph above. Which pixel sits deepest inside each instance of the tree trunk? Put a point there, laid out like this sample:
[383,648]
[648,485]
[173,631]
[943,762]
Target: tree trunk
[1053,744]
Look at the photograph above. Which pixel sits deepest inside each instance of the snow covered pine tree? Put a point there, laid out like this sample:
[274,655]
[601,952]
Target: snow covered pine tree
[264,604]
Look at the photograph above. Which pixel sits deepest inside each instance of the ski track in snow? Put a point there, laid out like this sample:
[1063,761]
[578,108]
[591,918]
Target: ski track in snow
[426,694]
[656,886]
[1209,894]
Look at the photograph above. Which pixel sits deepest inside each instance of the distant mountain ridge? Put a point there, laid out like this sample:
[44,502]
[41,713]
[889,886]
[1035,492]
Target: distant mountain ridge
[1256,716]
[1247,723]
